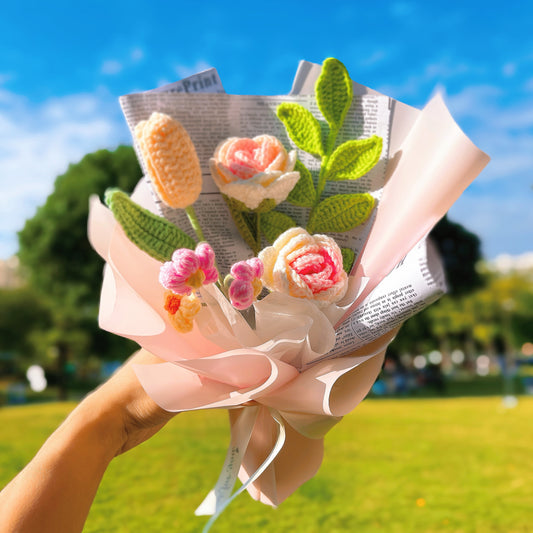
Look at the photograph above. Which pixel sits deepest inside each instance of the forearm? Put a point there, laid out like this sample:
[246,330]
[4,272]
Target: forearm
[56,489]
[54,493]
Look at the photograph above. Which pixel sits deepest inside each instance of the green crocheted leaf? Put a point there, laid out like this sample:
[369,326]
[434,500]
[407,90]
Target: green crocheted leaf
[243,223]
[334,92]
[302,127]
[266,205]
[354,158]
[151,233]
[341,212]
[348,258]
[274,223]
[304,193]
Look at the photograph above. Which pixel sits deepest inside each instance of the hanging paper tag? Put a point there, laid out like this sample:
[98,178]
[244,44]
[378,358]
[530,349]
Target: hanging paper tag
[240,437]
[219,498]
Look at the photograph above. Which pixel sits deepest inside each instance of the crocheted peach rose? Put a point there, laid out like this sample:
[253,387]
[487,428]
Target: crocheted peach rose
[305,266]
[252,170]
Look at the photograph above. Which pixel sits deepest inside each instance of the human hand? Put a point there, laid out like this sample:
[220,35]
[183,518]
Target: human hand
[135,416]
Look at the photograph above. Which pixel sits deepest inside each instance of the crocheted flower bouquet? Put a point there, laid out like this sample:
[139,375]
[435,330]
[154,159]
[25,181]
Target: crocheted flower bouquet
[250,263]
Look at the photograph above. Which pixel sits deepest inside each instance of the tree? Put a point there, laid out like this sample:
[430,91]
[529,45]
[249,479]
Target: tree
[60,264]
[460,252]
[22,313]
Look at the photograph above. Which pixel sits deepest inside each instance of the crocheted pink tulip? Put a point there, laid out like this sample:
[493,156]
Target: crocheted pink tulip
[247,285]
[189,269]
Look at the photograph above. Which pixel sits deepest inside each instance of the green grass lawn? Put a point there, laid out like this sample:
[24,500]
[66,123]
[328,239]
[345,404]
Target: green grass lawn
[456,465]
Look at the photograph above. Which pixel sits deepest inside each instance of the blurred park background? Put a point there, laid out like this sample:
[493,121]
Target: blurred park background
[443,443]
[477,340]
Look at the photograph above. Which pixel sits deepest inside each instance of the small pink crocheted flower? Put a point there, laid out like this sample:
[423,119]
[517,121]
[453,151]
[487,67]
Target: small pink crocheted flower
[189,269]
[305,266]
[253,170]
[246,285]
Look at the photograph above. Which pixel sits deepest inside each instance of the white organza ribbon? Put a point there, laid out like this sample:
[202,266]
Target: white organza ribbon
[220,496]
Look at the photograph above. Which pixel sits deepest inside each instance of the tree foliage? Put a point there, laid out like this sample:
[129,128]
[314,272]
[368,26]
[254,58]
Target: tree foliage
[54,250]
[460,251]
[21,312]
[495,318]
[60,264]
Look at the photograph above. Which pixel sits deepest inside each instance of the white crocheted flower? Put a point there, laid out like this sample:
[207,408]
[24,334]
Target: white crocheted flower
[252,170]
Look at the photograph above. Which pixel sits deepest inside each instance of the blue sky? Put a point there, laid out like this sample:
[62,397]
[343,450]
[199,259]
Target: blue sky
[63,66]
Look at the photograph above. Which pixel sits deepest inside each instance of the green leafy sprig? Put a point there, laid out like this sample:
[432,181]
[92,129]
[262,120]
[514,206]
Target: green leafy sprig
[348,161]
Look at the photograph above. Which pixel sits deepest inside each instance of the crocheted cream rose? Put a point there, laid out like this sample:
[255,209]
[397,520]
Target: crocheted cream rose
[305,266]
[252,170]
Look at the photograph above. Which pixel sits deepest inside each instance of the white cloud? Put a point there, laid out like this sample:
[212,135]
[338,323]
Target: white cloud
[137,54]
[503,222]
[183,71]
[37,142]
[5,77]
[436,72]
[509,70]
[474,101]
[162,81]
[374,58]
[528,85]
[498,207]
[111,67]
[505,131]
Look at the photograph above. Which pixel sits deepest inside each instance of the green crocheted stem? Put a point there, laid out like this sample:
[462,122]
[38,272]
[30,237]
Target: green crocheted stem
[151,233]
[193,219]
[341,212]
[321,180]
[258,229]
[302,127]
[244,225]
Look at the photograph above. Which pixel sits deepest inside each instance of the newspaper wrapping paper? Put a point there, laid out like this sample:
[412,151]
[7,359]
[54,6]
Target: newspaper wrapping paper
[283,368]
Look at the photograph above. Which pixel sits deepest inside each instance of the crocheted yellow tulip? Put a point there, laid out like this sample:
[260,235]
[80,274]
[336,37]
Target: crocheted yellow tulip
[170,159]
